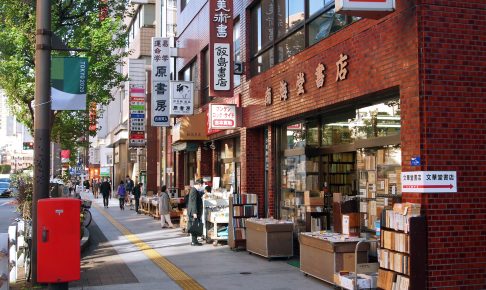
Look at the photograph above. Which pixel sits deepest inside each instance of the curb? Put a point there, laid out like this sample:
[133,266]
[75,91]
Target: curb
[85,239]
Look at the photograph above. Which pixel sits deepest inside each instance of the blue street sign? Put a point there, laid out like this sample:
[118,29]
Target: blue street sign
[137,116]
[415,161]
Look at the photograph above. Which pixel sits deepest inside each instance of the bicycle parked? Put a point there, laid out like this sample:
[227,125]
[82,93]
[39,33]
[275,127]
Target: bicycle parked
[85,213]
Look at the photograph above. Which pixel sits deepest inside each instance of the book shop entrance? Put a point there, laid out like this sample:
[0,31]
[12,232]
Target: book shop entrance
[340,163]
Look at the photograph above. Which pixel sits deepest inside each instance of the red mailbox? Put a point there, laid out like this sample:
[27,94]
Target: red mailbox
[58,240]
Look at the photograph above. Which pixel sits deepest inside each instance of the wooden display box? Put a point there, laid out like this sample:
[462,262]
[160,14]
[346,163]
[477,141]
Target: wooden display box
[270,240]
[314,198]
[322,259]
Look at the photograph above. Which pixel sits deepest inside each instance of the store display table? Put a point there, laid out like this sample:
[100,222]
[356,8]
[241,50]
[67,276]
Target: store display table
[322,254]
[270,238]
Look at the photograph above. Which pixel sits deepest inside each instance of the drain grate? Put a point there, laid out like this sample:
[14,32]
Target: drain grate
[245,273]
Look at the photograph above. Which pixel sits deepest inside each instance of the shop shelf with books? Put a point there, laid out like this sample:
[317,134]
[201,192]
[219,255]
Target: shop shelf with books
[403,254]
[241,207]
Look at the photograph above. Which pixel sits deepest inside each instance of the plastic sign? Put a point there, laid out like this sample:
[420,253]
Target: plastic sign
[181,98]
[160,99]
[374,9]
[222,116]
[429,181]
[137,116]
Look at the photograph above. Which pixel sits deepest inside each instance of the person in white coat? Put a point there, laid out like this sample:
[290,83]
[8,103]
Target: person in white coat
[164,208]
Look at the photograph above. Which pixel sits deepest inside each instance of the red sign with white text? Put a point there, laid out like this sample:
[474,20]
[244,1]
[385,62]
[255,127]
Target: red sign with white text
[222,116]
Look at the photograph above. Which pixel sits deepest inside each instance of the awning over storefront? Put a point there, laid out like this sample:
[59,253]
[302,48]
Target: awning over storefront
[190,128]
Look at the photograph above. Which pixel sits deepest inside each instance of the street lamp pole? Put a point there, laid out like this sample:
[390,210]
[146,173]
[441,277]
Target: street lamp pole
[42,110]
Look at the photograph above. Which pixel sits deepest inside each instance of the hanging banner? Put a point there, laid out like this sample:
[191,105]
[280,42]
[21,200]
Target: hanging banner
[136,136]
[65,155]
[69,76]
[222,116]
[181,98]
[160,101]
[221,48]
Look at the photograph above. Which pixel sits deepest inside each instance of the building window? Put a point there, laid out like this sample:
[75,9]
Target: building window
[184,4]
[205,98]
[282,28]
[237,52]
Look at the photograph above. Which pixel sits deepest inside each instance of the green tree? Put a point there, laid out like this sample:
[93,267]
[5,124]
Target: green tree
[93,25]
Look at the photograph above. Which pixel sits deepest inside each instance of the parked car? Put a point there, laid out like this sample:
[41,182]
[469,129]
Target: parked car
[5,190]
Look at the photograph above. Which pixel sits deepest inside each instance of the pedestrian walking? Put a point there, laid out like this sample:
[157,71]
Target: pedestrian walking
[137,192]
[105,189]
[164,208]
[194,212]
[129,185]
[122,192]
[95,186]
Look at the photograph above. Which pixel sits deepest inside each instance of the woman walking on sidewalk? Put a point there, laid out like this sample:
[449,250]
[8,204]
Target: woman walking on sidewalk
[121,194]
[164,202]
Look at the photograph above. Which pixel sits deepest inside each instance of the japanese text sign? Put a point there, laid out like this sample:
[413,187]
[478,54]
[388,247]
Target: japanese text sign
[137,116]
[160,101]
[181,98]
[221,52]
[429,181]
[222,116]
[160,59]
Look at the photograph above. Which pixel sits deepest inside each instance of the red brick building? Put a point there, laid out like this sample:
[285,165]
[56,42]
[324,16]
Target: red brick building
[318,87]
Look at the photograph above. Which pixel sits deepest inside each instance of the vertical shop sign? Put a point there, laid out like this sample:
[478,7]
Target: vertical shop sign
[221,51]
[137,116]
[181,98]
[222,116]
[160,102]
[93,117]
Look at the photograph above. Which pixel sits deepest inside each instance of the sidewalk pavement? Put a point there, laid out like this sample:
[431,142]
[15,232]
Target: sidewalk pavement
[130,251]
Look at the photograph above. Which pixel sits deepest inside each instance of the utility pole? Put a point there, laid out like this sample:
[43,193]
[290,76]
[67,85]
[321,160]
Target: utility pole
[42,111]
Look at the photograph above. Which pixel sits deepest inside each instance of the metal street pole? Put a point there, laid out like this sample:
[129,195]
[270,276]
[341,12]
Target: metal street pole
[42,110]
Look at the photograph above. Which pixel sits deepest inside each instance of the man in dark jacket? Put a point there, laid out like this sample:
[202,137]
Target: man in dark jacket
[105,189]
[194,208]
[137,192]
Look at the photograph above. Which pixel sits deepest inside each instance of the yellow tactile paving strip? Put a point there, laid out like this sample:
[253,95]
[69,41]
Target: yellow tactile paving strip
[176,274]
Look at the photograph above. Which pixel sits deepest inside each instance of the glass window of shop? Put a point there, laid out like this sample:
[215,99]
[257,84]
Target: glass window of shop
[354,153]
[230,163]
[283,28]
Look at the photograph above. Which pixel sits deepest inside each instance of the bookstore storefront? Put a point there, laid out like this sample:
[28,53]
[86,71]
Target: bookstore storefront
[228,163]
[340,162]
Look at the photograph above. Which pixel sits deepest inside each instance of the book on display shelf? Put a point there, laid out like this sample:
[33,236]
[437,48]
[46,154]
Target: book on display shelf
[402,253]
[241,207]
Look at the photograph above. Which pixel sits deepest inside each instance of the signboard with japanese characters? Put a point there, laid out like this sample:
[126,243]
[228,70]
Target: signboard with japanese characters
[137,116]
[221,73]
[222,116]
[160,102]
[181,98]
[429,181]
[221,51]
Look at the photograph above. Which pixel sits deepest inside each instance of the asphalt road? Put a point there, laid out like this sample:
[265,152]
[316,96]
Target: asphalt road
[7,213]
